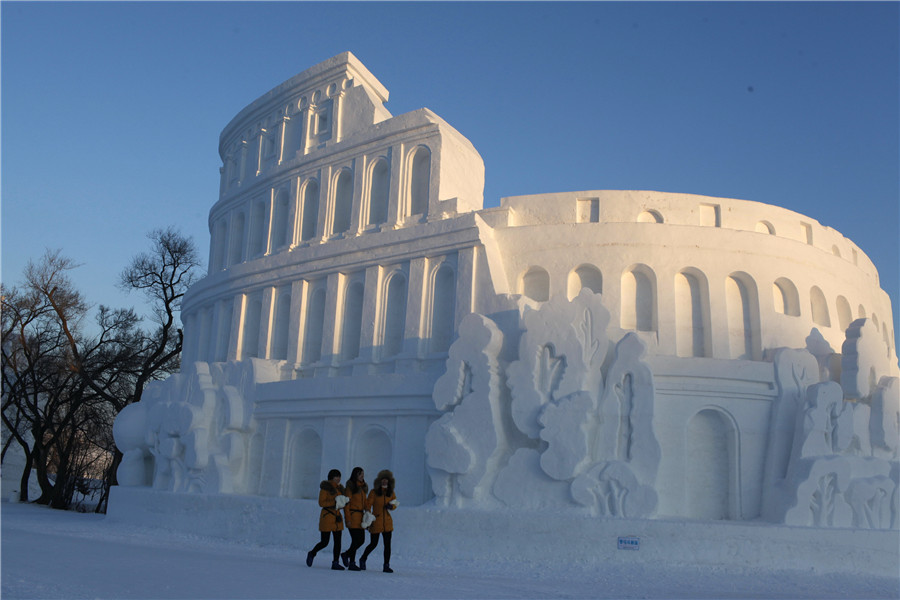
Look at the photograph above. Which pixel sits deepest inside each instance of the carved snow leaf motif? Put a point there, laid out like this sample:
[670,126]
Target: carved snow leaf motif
[590,345]
[822,504]
[550,371]
[560,353]
[624,393]
[626,430]
[870,500]
[612,490]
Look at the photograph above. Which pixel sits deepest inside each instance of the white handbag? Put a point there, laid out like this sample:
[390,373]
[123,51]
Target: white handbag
[368,519]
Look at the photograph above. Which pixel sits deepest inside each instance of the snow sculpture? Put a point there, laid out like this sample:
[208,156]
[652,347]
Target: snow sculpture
[842,470]
[595,439]
[362,307]
[466,444]
[193,427]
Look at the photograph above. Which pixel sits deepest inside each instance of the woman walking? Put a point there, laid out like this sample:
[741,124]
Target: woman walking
[357,490]
[332,500]
[381,501]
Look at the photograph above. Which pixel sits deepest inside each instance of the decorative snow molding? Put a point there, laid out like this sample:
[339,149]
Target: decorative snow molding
[574,426]
[843,470]
[464,445]
[190,433]
[561,352]
[844,492]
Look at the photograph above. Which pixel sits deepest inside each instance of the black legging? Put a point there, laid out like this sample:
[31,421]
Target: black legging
[374,542]
[337,544]
[357,539]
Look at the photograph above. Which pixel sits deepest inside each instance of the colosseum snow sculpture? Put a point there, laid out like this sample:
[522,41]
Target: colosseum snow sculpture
[622,353]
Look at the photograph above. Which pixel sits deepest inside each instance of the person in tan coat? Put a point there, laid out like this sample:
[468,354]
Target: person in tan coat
[381,501]
[332,499]
[356,489]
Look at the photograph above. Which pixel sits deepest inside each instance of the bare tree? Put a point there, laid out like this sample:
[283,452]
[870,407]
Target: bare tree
[43,392]
[163,274]
[62,388]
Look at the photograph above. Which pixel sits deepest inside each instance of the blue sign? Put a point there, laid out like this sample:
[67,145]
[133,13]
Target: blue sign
[630,543]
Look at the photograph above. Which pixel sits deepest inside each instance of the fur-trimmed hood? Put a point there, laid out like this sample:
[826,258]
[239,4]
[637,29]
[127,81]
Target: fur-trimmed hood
[330,488]
[376,484]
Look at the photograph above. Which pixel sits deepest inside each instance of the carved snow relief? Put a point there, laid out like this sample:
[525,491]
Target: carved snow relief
[568,430]
[190,432]
[464,443]
[842,470]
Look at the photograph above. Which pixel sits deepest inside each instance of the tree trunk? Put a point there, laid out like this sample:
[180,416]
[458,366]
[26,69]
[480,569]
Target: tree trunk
[26,476]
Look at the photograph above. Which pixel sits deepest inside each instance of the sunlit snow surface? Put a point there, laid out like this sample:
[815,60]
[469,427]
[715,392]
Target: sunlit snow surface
[54,554]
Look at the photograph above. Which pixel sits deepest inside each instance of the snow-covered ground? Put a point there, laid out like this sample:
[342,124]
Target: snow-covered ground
[54,554]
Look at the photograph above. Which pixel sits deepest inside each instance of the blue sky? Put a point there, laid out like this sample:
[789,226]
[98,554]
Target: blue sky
[111,111]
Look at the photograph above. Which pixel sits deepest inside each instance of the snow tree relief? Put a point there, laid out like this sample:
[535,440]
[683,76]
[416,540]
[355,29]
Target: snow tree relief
[580,436]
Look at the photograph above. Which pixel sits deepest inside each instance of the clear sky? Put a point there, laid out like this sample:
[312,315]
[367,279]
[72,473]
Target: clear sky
[111,111]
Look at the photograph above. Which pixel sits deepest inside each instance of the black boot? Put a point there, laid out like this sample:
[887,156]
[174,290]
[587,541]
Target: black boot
[309,558]
[353,566]
[387,568]
[336,566]
[362,564]
[345,559]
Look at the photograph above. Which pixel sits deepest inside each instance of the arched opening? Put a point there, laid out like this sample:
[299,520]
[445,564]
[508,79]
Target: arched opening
[785,297]
[765,227]
[310,210]
[536,284]
[373,453]
[710,467]
[585,276]
[204,335]
[691,310]
[305,465]
[844,313]
[250,333]
[419,181]
[315,320]
[258,228]
[280,324]
[650,216]
[638,300]
[223,330]
[236,245]
[443,304]
[343,202]
[351,325]
[280,224]
[293,129]
[220,246]
[394,316]
[743,318]
[379,189]
[819,307]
